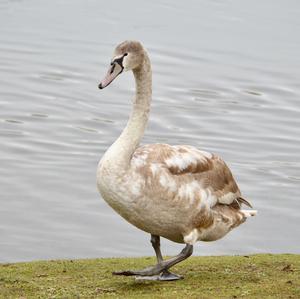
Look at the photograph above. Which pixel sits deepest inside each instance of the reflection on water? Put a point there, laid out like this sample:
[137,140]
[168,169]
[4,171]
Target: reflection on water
[226,79]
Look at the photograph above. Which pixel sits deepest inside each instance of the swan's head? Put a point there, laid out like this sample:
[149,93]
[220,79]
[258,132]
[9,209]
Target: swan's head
[127,56]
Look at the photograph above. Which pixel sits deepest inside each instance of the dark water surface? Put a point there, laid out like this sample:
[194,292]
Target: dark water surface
[226,79]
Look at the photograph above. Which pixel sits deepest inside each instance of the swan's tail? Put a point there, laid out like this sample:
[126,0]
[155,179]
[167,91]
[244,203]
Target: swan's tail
[241,200]
[249,213]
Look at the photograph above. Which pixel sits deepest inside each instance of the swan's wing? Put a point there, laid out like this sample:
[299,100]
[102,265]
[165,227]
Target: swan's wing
[188,173]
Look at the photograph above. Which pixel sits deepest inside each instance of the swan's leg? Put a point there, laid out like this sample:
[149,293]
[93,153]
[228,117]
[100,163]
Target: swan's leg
[165,274]
[155,241]
[161,266]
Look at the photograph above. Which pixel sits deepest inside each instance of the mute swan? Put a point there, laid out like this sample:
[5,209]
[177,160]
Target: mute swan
[177,192]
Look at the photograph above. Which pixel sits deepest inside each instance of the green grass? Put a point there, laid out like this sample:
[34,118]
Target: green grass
[255,276]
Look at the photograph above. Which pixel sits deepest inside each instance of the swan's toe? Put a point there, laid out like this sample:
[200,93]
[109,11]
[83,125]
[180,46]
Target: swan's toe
[125,273]
[164,276]
[168,276]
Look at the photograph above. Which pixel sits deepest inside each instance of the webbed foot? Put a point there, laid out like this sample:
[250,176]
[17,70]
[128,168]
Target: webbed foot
[164,276]
[160,270]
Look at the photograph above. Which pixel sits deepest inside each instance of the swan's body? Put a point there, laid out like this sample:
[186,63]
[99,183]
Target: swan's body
[177,192]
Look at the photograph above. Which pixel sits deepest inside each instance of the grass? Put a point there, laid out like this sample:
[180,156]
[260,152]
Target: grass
[254,276]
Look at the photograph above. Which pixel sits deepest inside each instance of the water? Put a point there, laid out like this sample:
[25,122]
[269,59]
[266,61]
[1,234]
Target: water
[226,79]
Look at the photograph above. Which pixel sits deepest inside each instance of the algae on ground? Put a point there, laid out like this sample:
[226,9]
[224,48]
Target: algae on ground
[254,276]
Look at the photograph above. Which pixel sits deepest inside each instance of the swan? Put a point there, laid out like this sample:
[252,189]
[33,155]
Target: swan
[177,192]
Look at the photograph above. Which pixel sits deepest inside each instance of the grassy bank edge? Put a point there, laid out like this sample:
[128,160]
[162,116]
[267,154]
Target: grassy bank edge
[254,276]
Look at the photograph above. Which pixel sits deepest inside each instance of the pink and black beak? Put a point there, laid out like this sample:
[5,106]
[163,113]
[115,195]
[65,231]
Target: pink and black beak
[115,69]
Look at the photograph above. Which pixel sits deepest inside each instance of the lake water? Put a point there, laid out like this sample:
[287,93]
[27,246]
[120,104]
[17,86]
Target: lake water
[226,78]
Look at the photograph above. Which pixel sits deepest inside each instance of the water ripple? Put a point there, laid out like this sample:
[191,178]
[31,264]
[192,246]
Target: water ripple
[225,79]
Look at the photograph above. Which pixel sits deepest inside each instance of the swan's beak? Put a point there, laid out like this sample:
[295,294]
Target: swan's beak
[115,70]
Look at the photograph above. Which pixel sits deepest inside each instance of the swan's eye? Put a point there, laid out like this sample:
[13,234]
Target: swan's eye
[120,60]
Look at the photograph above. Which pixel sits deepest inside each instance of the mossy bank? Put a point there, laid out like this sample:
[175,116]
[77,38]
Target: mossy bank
[254,276]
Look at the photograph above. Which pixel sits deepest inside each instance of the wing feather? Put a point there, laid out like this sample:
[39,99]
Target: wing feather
[189,173]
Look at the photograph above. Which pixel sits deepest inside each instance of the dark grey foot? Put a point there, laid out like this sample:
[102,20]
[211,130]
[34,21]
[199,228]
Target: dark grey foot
[150,271]
[168,276]
[160,270]
[164,276]
[140,275]
[125,273]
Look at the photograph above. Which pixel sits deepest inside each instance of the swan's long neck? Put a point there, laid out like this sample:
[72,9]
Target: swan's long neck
[121,151]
